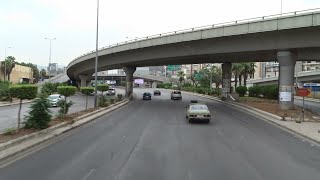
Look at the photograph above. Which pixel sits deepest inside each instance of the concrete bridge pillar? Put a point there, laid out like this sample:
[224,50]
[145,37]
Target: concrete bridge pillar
[287,61]
[84,80]
[129,80]
[226,79]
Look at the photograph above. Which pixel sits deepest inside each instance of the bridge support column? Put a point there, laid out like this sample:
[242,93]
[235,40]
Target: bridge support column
[226,79]
[129,80]
[287,61]
[84,80]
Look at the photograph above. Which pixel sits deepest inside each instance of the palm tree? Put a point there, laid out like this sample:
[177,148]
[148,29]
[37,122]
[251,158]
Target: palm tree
[9,62]
[181,76]
[237,69]
[249,69]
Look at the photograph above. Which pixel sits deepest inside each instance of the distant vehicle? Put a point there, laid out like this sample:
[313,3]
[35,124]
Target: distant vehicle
[176,95]
[54,99]
[157,92]
[111,92]
[197,112]
[146,96]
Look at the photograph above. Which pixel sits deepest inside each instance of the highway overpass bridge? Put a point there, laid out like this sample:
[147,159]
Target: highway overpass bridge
[303,77]
[288,38]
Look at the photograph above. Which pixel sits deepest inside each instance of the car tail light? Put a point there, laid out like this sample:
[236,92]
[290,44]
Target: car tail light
[207,115]
[193,115]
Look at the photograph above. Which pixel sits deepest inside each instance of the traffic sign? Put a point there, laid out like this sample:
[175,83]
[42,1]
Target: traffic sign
[303,92]
[173,67]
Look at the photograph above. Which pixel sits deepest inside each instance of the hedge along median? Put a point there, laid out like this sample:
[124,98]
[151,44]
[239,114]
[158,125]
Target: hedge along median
[22,92]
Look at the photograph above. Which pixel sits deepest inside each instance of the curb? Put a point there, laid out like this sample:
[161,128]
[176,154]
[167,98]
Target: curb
[16,103]
[59,128]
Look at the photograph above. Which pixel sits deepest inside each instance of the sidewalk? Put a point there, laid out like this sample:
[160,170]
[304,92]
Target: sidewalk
[309,130]
[16,102]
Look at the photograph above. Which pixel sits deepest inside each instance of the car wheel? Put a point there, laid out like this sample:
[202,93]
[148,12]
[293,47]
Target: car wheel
[190,120]
[208,121]
[186,117]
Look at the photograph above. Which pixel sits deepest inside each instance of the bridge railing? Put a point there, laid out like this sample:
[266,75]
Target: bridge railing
[224,24]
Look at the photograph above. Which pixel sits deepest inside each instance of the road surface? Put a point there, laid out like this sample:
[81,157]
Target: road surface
[151,140]
[9,114]
[310,105]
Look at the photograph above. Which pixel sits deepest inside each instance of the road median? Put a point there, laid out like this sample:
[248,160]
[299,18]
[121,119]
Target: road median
[15,146]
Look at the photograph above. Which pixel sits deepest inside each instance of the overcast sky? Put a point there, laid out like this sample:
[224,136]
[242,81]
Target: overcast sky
[25,23]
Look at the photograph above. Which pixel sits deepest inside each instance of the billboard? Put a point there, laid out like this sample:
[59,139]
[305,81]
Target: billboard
[138,81]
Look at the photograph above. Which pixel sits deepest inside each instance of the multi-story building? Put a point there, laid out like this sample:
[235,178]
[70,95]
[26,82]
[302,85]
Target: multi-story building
[310,65]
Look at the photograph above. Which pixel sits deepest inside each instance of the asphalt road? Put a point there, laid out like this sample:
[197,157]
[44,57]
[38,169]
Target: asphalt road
[312,106]
[9,114]
[151,140]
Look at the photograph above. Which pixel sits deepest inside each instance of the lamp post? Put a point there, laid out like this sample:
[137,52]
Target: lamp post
[281,8]
[50,40]
[96,62]
[5,63]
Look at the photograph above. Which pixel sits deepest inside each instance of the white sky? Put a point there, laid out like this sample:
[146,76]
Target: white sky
[25,23]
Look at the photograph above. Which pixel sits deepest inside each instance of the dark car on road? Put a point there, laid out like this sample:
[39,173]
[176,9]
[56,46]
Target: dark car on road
[157,92]
[146,96]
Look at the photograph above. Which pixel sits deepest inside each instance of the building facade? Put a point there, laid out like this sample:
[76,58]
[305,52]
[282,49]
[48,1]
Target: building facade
[19,74]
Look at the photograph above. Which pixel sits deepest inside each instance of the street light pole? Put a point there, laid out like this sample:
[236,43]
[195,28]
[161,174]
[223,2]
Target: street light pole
[5,63]
[281,8]
[50,41]
[96,62]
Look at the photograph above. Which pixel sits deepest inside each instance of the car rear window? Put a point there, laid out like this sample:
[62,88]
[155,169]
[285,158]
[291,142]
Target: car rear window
[176,92]
[198,107]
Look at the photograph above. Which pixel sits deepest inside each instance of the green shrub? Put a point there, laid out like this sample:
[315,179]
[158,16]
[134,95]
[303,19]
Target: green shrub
[50,87]
[64,107]
[255,91]
[270,92]
[39,116]
[22,92]
[102,101]
[119,97]
[9,131]
[217,91]
[241,90]
[66,91]
[102,88]
[87,91]
[4,90]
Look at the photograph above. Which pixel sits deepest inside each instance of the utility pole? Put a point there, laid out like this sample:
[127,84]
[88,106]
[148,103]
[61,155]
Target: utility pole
[96,62]
[49,67]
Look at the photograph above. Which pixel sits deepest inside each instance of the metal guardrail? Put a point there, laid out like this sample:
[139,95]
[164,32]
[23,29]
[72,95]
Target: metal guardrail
[212,26]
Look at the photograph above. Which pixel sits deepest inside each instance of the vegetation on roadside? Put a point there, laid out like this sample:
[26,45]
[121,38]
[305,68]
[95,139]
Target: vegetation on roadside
[241,90]
[39,114]
[51,87]
[102,88]
[4,90]
[269,92]
[9,131]
[66,91]
[87,91]
[22,92]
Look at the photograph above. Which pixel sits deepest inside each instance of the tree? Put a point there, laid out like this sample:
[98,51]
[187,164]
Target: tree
[66,91]
[4,90]
[102,88]
[43,74]
[7,65]
[248,69]
[87,91]
[216,75]
[181,77]
[23,92]
[39,116]
[237,69]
